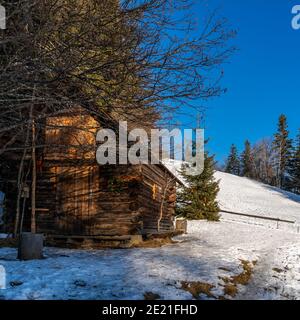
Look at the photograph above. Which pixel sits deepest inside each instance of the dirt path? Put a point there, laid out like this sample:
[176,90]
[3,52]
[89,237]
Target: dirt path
[276,275]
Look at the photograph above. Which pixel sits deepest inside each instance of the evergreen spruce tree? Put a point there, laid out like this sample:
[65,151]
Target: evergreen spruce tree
[283,148]
[247,167]
[294,168]
[233,162]
[197,201]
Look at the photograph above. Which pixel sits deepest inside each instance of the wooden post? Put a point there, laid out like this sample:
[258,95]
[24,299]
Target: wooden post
[20,177]
[33,184]
[20,185]
[163,202]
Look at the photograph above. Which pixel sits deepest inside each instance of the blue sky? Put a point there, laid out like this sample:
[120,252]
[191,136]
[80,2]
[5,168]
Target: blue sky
[262,77]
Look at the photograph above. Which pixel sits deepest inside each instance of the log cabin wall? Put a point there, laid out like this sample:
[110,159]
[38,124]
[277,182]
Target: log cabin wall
[76,196]
[90,200]
[157,199]
[106,200]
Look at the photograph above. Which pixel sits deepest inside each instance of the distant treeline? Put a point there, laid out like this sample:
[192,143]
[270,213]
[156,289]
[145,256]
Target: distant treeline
[274,161]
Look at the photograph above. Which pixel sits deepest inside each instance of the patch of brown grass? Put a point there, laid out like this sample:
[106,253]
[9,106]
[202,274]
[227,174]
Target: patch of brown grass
[8,243]
[197,288]
[151,296]
[222,298]
[225,279]
[244,277]
[155,242]
[230,288]
[278,270]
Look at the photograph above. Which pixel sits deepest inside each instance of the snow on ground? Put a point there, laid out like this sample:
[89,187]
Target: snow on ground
[248,196]
[243,195]
[209,252]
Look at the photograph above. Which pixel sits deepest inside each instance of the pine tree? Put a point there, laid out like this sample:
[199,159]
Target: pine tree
[197,201]
[294,168]
[283,147]
[247,161]
[233,162]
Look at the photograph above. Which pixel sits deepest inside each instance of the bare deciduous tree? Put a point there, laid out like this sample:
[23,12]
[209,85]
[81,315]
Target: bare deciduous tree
[135,60]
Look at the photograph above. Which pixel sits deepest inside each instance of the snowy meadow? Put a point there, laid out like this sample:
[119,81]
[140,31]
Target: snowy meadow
[225,260]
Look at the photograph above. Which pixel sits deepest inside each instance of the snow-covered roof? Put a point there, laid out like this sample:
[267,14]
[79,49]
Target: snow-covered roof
[174,166]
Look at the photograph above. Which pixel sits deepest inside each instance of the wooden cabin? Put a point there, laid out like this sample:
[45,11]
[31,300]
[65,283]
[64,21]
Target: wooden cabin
[80,203]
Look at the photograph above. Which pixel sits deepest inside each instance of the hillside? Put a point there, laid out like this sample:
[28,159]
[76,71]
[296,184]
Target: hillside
[247,196]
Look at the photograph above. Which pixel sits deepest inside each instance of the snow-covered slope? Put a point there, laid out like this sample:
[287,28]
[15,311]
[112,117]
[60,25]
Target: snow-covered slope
[243,195]
[247,196]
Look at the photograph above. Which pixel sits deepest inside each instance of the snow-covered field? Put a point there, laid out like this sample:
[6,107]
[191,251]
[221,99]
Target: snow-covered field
[248,196]
[210,253]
